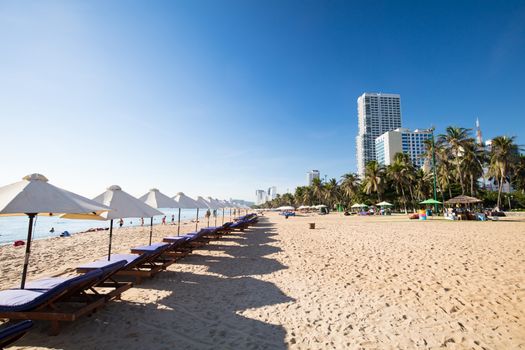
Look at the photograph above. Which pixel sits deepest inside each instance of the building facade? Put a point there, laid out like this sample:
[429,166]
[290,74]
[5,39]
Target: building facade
[405,141]
[260,197]
[311,175]
[377,113]
[272,193]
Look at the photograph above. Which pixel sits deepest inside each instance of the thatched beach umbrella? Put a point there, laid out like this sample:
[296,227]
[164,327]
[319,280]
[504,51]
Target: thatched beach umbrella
[462,199]
[156,199]
[185,202]
[123,205]
[33,196]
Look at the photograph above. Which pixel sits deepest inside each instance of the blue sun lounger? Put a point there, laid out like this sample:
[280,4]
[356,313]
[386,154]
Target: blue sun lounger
[138,266]
[11,332]
[65,301]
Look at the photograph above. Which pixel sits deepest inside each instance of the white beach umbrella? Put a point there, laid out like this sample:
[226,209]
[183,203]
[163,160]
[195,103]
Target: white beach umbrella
[286,207]
[204,204]
[123,205]
[156,199]
[33,196]
[214,205]
[185,202]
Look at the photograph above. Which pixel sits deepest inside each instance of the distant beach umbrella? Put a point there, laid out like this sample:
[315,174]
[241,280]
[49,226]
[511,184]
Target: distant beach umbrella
[214,205]
[185,202]
[156,199]
[203,204]
[35,196]
[384,204]
[123,205]
[430,201]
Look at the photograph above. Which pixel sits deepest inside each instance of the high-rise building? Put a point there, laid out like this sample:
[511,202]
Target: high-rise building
[377,113]
[260,197]
[479,138]
[272,193]
[311,175]
[402,140]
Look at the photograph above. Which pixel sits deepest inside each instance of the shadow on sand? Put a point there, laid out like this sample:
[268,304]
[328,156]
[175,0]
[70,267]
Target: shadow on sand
[191,311]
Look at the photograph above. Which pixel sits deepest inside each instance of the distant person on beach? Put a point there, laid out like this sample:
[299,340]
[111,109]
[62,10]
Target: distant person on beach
[164,220]
[121,222]
[52,230]
[141,221]
[173,219]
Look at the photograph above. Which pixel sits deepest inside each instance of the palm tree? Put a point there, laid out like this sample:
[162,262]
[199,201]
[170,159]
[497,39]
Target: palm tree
[307,198]
[317,190]
[400,173]
[374,180]
[350,185]
[332,194]
[472,165]
[503,152]
[455,141]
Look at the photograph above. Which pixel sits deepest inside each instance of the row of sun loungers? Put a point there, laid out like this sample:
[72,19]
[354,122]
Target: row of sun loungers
[61,299]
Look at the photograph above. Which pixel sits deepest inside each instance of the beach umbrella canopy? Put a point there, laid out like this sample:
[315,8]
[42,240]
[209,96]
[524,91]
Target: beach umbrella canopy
[430,201]
[304,207]
[34,195]
[319,206]
[185,202]
[286,207]
[462,199]
[213,203]
[203,203]
[123,205]
[358,205]
[156,199]
[384,204]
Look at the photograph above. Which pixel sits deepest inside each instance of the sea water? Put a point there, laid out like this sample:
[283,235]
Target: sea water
[13,228]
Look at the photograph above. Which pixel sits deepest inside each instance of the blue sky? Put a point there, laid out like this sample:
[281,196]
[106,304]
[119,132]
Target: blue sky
[223,97]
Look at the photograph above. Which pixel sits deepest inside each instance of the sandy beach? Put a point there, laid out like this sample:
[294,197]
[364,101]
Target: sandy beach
[352,283]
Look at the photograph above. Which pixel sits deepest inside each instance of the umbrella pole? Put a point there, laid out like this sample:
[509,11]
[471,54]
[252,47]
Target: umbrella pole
[215,216]
[197,220]
[208,221]
[223,216]
[110,237]
[150,230]
[178,225]
[230,214]
[28,250]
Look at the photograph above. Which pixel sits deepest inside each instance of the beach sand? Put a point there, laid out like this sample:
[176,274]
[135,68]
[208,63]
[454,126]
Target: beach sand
[352,283]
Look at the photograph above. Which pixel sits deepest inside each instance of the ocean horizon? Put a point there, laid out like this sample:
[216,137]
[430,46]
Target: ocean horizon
[13,228]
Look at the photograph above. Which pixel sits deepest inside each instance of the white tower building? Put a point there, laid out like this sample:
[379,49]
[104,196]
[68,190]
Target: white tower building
[311,175]
[377,113]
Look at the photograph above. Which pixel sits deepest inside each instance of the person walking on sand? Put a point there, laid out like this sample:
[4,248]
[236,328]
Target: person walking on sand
[173,219]
[164,220]
[141,221]
[121,222]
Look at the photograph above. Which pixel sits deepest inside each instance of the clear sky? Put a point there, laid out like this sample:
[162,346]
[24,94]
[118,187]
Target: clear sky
[223,97]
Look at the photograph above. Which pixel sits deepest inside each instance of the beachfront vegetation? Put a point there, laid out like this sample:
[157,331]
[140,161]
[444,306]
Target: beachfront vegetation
[462,167]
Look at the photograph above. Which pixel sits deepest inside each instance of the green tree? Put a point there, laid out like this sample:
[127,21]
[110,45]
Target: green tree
[374,179]
[502,155]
